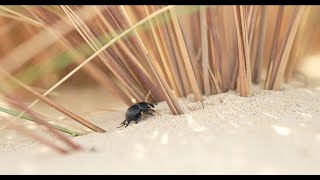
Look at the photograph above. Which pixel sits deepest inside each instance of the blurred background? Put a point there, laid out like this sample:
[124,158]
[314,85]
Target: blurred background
[43,67]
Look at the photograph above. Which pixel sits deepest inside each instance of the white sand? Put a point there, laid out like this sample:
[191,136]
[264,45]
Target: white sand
[273,132]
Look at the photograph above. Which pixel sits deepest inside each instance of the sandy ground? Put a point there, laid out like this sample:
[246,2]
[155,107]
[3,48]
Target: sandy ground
[273,132]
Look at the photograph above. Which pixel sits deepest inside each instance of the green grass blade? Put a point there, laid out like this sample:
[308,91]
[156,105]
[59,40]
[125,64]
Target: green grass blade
[30,118]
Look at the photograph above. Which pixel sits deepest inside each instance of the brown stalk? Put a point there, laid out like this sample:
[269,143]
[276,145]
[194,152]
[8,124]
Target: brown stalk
[118,54]
[259,57]
[282,46]
[185,55]
[246,48]
[300,41]
[178,56]
[215,47]
[287,45]
[214,79]
[228,30]
[252,25]
[254,40]
[249,13]
[135,64]
[205,52]
[170,98]
[215,82]
[274,47]
[169,54]
[147,55]
[161,52]
[244,59]
[115,49]
[241,75]
[130,42]
[188,30]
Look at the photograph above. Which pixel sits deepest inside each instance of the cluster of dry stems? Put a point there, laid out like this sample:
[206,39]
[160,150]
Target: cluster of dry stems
[171,51]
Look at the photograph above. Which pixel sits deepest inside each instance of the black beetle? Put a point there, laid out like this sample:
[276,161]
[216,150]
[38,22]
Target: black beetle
[134,112]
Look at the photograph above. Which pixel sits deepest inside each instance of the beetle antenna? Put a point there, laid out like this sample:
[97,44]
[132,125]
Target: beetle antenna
[157,112]
[99,111]
[147,96]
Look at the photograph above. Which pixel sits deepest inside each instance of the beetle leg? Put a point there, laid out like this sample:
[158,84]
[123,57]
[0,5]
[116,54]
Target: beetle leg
[127,124]
[135,120]
[122,124]
[138,119]
[148,113]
